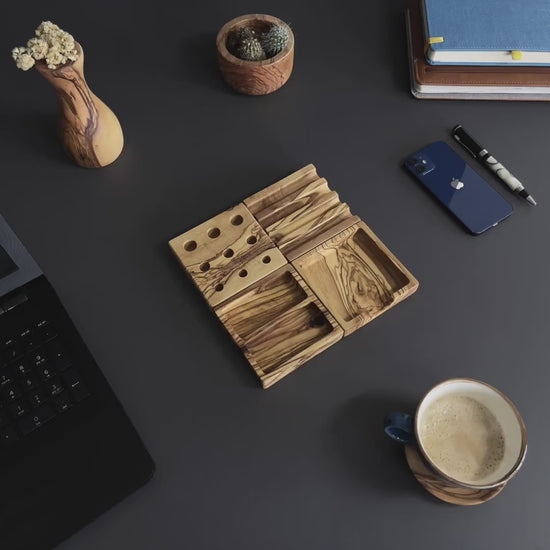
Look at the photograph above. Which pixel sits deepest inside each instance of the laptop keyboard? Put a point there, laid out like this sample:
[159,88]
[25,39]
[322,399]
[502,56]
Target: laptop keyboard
[38,381]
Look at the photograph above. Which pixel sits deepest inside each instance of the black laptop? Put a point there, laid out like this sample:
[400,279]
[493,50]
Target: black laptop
[68,452]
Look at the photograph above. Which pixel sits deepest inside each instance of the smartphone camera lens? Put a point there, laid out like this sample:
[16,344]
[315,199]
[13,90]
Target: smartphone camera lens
[421,169]
[412,161]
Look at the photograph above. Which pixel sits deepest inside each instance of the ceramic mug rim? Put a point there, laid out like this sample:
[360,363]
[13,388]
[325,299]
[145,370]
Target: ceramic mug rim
[521,456]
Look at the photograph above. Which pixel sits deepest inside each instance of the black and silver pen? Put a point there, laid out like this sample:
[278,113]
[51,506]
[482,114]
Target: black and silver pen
[491,162]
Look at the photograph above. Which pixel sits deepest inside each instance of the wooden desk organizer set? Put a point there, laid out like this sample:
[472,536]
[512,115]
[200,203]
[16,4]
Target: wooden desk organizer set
[290,271]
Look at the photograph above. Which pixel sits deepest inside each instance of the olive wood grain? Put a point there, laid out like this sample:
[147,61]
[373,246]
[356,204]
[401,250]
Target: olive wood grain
[89,131]
[226,254]
[300,212]
[255,77]
[441,488]
[281,314]
[355,276]
[279,324]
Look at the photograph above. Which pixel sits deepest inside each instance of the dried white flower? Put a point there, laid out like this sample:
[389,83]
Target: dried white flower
[47,28]
[54,58]
[52,44]
[38,48]
[16,52]
[23,59]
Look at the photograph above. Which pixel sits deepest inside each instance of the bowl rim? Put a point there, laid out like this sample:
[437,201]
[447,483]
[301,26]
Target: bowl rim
[221,40]
[519,462]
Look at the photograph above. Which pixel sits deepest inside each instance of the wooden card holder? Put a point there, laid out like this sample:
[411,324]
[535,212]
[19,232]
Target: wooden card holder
[279,324]
[290,271]
[300,212]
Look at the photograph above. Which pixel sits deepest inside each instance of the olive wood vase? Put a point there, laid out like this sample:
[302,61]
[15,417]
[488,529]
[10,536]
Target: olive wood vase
[89,131]
[255,77]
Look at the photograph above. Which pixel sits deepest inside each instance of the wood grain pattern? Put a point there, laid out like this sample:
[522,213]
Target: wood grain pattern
[355,276]
[280,314]
[89,131]
[441,488]
[226,254]
[255,77]
[300,212]
[279,324]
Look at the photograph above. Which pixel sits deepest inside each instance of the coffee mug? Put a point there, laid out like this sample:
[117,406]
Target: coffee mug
[469,433]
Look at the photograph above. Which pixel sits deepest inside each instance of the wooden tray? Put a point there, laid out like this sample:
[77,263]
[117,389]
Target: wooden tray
[355,276]
[279,324]
[290,271]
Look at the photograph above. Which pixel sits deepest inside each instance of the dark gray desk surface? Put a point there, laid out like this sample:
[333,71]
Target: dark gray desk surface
[304,464]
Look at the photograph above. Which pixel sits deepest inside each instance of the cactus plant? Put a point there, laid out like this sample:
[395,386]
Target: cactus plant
[250,49]
[274,40]
[244,33]
[235,38]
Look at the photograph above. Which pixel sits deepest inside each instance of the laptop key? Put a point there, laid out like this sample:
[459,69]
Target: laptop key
[54,386]
[12,352]
[62,402]
[38,357]
[59,355]
[37,418]
[8,436]
[29,339]
[36,397]
[45,331]
[11,392]
[30,381]
[20,368]
[73,380]
[5,376]
[46,372]
[18,409]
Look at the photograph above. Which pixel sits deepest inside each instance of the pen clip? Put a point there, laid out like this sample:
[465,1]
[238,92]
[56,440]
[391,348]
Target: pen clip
[465,146]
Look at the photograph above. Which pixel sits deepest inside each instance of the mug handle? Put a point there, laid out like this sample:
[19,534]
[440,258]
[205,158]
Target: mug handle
[400,427]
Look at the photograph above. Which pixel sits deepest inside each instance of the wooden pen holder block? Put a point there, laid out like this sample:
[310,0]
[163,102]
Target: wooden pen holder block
[226,254]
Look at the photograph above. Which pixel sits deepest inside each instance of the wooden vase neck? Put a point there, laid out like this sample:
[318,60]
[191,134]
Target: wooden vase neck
[89,131]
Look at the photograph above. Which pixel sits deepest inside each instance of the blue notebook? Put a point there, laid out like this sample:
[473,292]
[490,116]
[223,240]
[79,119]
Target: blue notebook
[487,32]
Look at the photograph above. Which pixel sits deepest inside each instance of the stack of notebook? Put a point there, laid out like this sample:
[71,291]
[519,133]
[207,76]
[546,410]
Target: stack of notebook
[479,49]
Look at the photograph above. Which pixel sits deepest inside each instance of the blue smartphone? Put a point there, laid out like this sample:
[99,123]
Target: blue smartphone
[458,187]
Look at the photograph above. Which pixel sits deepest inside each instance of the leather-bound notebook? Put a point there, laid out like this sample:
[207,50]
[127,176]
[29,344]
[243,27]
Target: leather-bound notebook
[465,79]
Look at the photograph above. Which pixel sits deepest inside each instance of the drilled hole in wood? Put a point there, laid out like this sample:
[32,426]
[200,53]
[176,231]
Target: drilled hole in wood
[214,232]
[228,253]
[190,246]
[266,259]
[251,240]
[205,266]
[218,288]
[237,220]
[243,273]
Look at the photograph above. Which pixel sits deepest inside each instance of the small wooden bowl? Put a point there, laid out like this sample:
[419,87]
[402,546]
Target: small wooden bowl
[255,77]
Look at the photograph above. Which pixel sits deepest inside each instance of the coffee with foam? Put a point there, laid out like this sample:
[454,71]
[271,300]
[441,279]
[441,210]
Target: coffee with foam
[462,437]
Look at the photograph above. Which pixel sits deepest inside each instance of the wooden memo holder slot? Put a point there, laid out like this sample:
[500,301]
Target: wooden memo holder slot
[290,271]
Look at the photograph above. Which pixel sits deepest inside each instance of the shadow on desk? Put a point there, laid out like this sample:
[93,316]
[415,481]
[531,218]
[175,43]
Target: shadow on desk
[200,62]
[395,54]
[35,132]
[194,307]
[361,448]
